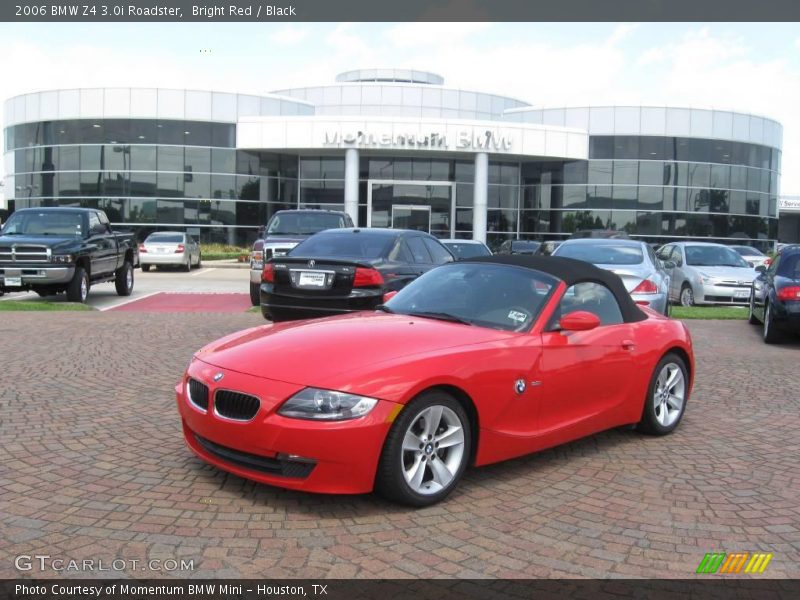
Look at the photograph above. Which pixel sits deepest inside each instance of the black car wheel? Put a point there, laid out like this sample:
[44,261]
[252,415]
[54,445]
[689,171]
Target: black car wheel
[770,332]
[123,279]
[426,451]
[78,288]
[666,397]
[255,294]
[751,317]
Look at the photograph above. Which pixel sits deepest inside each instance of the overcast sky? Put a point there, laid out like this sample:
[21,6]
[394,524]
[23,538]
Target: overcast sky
[741,66]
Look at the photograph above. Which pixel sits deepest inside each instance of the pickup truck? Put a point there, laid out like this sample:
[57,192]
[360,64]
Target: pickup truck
[54,250]
[286,229]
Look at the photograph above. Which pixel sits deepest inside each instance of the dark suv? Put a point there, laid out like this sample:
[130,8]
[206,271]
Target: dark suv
[286,229]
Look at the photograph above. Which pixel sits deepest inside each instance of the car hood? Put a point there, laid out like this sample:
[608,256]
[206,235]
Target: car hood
[51,241]
[312,351]
[733,273]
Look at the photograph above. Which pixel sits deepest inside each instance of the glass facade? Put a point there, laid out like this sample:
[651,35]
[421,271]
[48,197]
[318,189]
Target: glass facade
[188,174]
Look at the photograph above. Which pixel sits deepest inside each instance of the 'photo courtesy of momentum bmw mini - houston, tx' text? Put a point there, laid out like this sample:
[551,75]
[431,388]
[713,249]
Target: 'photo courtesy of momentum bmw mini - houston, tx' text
[362,300]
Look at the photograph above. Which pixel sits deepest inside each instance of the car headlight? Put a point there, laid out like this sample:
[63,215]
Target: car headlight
[62,258]
[326,405]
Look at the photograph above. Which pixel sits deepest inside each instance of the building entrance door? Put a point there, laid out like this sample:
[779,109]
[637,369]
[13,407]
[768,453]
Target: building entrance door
[411,217]
[423,205]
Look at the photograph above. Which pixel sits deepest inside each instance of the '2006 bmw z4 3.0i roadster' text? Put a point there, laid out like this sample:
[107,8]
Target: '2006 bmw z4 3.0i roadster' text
[475,362]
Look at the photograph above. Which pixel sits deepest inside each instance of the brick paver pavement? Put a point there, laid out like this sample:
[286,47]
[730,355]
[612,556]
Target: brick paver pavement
[94,467]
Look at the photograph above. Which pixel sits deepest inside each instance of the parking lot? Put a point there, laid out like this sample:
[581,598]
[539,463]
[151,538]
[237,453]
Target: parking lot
[95,467]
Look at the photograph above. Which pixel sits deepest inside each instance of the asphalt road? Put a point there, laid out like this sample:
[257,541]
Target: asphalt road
[209,279]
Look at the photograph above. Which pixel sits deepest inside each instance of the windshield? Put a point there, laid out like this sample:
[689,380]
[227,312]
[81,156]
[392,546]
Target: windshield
[748,251]
[164,238]
[603,254]
[518,245]
[462,250]
[363,244]
[713,256]
[484,294]
[44,223]
[304,223]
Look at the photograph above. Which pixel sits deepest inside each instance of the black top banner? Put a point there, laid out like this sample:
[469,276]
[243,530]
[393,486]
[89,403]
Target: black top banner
[401,10]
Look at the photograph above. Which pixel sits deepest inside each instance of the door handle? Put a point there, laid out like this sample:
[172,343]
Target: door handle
[628,345]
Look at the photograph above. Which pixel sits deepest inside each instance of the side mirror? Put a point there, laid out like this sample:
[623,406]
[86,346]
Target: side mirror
[761,269]
[579,320]
[389,295]
[261,231]
[98,230]
[669,264]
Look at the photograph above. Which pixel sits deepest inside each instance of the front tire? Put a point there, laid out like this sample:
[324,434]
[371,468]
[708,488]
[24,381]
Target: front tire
[666,397]
[426,451]
[751,317]
[123,279]
[687,295]
[78,288]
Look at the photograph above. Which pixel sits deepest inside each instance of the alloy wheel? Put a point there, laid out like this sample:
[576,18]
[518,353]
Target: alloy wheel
[433,450]
[84,288]
[669,394]
[687,296]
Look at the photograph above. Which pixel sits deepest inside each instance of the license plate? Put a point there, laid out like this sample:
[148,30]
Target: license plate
[741,294]
[161,250]
[311,279]
[13,281]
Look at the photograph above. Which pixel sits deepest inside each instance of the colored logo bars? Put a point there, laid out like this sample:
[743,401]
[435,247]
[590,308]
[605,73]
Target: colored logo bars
[737,562]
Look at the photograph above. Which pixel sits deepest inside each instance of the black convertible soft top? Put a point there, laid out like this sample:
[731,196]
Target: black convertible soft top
[572,271]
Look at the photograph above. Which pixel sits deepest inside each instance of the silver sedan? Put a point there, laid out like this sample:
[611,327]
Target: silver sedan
[635,262]
[169,248]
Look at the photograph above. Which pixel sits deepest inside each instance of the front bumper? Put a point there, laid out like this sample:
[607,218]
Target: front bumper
[333,458]
[35,275]
[709,293]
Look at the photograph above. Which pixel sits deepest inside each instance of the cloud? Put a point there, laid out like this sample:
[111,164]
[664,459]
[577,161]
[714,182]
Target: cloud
[415,35]
[289,35]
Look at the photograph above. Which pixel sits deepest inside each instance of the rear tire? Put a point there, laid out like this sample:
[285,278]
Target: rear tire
[78,288]
[123,279]
[255,294]
[414,469]
[145,268]
[199,260]
[187,266]
[770,333]
[665,403]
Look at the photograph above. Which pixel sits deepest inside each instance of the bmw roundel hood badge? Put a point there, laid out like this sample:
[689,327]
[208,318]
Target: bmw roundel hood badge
[218,376]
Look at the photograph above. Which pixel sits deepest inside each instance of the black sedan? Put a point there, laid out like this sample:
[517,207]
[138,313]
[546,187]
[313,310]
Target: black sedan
[775,297]
[345,270]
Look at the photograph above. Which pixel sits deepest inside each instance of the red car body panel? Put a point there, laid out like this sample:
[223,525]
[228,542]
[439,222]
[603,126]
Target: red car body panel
[578,383]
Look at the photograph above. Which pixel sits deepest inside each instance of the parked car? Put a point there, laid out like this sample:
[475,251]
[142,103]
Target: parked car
[634,261]
[464,249]
[345,270]
[519,247]
[473,363]
[548,247]
[599,234]
[706,273]
[64,250]
[775,297]
[286,229]
[170,249]
[753,256]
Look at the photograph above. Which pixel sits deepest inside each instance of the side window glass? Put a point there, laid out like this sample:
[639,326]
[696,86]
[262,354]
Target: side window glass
[94,221]
[773,266]
[438,252]
[400,252]
[418,251]
[665,253]
[594,298]
[676,256]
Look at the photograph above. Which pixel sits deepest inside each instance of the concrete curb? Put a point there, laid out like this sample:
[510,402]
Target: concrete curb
[225,264]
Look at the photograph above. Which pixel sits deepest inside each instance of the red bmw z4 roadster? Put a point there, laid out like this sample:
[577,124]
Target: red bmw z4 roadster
[474,362]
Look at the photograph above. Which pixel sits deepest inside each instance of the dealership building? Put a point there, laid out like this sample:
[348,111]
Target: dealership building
[394,148]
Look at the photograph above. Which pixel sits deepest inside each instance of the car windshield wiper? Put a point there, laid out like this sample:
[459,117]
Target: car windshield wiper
[442,316]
